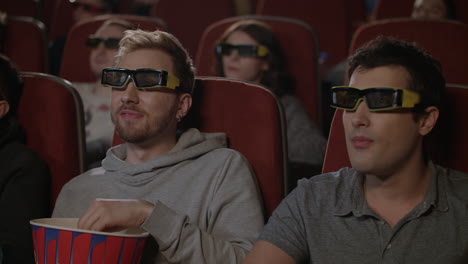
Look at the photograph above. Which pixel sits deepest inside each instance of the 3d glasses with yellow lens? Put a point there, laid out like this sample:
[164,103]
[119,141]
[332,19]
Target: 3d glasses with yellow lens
[144,79]
[225,49]
[376,98]
[109,43]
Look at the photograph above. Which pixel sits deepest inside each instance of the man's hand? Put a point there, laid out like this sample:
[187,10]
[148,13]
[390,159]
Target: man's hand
[112,215]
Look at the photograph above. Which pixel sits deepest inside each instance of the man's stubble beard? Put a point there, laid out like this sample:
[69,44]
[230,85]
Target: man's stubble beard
[135,135]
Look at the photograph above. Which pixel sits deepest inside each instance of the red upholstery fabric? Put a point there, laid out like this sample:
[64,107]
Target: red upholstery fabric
[336,156]
[447,144]
[187,19]
[49,8]
[75,62]
[30,55]
[461,10]
[251,118]
[392,9]
[51,113]
[445,40]
[299,45]
[29,8]
[450,148]
[62,19]
[331,20]
[358,13]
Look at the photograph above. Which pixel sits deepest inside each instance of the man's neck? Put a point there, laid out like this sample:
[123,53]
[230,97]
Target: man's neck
[149,150]
[394,196]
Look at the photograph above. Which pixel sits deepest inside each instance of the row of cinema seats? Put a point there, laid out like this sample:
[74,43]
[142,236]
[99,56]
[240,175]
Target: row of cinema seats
[333,20]
[297,39]
[447,41]
[300,47]
[51,113]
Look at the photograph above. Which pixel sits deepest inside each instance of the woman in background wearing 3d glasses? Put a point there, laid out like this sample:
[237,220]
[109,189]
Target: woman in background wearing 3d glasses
[104,45]
[249,51]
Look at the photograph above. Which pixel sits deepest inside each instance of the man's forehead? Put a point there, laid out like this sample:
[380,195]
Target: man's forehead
[147,58]
[383,76]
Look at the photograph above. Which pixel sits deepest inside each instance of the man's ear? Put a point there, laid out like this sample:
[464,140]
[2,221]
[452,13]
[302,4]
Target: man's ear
[428,120]
[185,102]
[4,108]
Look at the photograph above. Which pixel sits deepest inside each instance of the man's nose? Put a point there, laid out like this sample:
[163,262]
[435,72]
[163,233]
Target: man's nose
[360,117]
[130,94]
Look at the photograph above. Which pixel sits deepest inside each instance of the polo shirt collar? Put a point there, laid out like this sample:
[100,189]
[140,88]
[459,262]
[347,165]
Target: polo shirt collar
[353,200]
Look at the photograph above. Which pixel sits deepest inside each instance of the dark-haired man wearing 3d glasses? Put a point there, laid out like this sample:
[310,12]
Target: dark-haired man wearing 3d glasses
[197,199]
[394,205]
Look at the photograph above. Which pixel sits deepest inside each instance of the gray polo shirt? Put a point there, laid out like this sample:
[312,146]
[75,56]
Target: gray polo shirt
[326,219]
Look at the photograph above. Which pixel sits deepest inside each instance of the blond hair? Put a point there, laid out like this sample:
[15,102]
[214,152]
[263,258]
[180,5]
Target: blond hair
[140,39]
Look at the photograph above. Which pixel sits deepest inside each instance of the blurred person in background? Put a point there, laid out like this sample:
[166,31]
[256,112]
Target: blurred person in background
[82,10]
[249,51]
[434,9]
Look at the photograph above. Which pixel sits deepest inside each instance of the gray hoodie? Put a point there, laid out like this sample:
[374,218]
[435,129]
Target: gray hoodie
[207,205]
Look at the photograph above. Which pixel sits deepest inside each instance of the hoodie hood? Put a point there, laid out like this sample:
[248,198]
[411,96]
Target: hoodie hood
[190,145]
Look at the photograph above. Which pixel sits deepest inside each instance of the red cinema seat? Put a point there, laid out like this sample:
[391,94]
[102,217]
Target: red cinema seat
[30,55]
[330,19]
[187,19]
[51,113]
[392,9]
[28,8]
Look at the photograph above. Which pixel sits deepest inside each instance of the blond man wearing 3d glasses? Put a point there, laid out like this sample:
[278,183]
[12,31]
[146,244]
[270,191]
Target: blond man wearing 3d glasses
[197,199]
[394,205]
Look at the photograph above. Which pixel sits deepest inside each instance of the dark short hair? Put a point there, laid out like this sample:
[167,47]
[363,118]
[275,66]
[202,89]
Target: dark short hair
[11,85]
[277,78]
[425,72]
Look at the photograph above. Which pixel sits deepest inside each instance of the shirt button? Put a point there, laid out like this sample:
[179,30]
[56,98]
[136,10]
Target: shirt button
[389,246]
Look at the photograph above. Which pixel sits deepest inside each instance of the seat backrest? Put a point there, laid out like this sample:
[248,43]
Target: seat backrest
[30,55]
[51,113]
[446,41]
[447,144]
[299,45]
[331,20]
[462,10]
[61,20]
[75,61]
[187,19]
[450,148]
[392,9]
[28,8]
[253,120]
